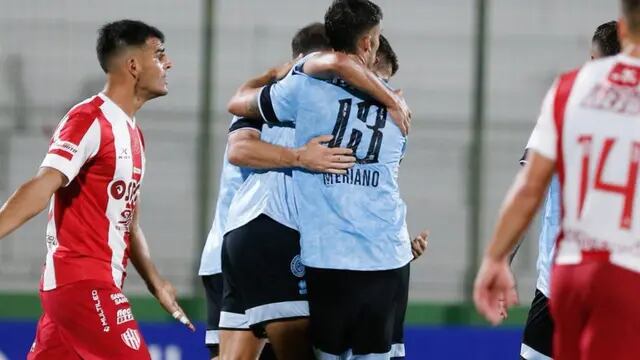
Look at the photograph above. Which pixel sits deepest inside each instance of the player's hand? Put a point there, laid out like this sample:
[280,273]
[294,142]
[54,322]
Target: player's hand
[400,113]
[419,244]
[166,295]
[503,308]
[494,290]
[316,156]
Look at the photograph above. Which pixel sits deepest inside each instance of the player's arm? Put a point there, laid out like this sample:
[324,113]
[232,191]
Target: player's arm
[523,162]
[30,199]
[494,288]
[161,288]
[75,141]
[245,149]
[520,205]
[244,102]
[495,281]
[350,69]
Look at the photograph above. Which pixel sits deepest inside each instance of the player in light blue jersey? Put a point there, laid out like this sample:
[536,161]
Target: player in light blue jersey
[538,332]
[263,274]
[354,238]
[245,146]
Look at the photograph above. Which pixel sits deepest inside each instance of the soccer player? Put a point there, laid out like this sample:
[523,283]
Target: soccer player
[263,274]
[92,175]
[354,239]
[589,131]
[538,332]
[246,148]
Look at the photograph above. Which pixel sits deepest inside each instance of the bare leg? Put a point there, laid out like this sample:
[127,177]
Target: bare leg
[290,339]
[239,345]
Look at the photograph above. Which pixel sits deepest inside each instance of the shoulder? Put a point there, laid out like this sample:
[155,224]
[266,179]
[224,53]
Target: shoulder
[79,120]
[87,110]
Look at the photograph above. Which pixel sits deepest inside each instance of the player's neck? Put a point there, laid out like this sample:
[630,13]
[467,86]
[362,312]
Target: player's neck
[124,96]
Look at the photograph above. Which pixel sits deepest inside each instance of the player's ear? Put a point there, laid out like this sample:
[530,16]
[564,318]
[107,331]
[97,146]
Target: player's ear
[366,43]
[132,66]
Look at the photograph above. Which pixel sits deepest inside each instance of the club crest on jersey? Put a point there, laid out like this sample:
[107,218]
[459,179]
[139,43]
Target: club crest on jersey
[297,268]
[131,338]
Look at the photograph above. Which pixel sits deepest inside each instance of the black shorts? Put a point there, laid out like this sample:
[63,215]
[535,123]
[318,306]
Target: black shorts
[213,291]
[538,332]
[263,275]
[358,312]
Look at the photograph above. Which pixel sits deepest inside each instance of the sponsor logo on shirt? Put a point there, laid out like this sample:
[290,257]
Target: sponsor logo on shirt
[100,311]
[52,242]
[67,146]
[121,190]
[620,94]
[124,154]
[131,338]
[119,298]
[117,189]
[124,316]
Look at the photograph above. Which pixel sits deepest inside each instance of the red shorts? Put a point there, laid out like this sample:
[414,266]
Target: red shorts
[596,311]
[87,320]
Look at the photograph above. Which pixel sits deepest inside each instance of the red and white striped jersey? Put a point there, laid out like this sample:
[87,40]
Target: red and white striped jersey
[101,152]
[590,125]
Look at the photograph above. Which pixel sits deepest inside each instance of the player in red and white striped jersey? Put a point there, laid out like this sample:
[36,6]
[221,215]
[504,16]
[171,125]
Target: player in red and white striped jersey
[589,131]
[91,176]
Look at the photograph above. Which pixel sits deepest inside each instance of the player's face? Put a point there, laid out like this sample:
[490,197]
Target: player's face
[154,64]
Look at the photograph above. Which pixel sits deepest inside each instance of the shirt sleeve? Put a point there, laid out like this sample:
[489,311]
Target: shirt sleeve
[242,123]
[75,141]
[278,102]
[544,137]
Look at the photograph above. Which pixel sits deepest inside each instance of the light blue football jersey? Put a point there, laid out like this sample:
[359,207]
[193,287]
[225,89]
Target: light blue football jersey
[355,221]
[268,192]
[231,178]
[548,236]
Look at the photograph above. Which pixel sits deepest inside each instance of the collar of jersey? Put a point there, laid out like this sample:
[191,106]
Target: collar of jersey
[113,107]
[629,59]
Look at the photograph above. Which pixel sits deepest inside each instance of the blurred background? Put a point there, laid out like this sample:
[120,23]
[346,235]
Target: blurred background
[473,71]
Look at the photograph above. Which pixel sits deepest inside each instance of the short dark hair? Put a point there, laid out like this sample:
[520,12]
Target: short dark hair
[606,36]
[631,12]
[386,54]
[346,20]
[309,39]
[116,36]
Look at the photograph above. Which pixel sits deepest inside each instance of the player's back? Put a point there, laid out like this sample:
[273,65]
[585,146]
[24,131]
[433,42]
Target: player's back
[267,192]
[354,221]
[598,161]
